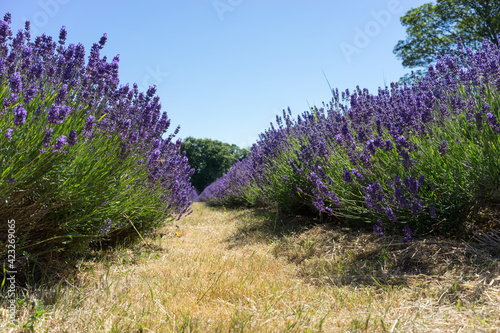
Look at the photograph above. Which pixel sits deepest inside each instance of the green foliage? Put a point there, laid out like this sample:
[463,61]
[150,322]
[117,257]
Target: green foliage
[425,157]
[64,199]
[210,159]
[82,159]
[457,183]
[434,28]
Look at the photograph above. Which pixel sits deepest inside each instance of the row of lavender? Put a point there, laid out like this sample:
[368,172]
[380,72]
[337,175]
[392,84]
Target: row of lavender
[81,156]
[422,157]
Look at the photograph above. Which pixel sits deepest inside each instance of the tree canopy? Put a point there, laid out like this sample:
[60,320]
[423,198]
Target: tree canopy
[210,159]
[434,27]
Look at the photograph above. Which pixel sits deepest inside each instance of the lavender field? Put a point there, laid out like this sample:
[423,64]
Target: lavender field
[412,159]
[372,211]
[84,159]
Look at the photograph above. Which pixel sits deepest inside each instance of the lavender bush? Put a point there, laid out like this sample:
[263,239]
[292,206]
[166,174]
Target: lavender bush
[81,155]
[424,156]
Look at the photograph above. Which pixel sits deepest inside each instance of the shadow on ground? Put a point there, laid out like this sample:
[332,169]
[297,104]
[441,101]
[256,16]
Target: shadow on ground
[54,268]
[329,254]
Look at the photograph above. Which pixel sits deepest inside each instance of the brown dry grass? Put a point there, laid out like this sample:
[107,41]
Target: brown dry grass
[243,271]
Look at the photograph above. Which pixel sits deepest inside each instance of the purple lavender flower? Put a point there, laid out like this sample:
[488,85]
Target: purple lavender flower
[443,148]
[47,139]
[365,159]
[432,212]
[493,121]
[15,83]
[72,138]
[62,35]
[103,40]
[134,137]
[60,143]
[390,214]
[370,204]
[401,111]
[19,115]
[151,91]
[479,121]
[339,138]
[421,180]
[61,94]
[10,101]
[9,133]
[319,204]
[89,124]
[377,228]
[11,181]
[153,157]
[358,174]
[347,175]
[491,118]
[30,94]
[408,234]
[57,114]
[388,145]
[106,227]
[411,185]
[8,18]
[27,27]
[417,207]
[401,142]
[125,127]
[334,198]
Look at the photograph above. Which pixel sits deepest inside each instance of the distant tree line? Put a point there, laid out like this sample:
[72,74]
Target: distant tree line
[210,159]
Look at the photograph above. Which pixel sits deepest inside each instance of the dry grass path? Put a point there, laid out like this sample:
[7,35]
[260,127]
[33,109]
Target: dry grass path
[228,271]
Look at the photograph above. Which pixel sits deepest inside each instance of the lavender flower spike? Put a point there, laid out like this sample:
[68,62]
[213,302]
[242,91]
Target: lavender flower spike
[19,115]
[408,234]
[106,228]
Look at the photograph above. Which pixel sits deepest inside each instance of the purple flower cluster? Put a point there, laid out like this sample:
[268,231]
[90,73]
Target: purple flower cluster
[50,85]
[443,147]
[408,234]
[57,114]
[60,143]
[359,153]
[377,228]
[19,115]
[106,227]
[72,138]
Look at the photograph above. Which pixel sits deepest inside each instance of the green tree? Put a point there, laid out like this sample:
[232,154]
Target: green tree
[434,27]
[210,159]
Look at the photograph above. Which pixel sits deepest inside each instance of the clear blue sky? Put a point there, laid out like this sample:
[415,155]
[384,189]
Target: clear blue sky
[225,68]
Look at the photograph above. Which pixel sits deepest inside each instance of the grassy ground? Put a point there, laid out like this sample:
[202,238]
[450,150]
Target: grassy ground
[246,271]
